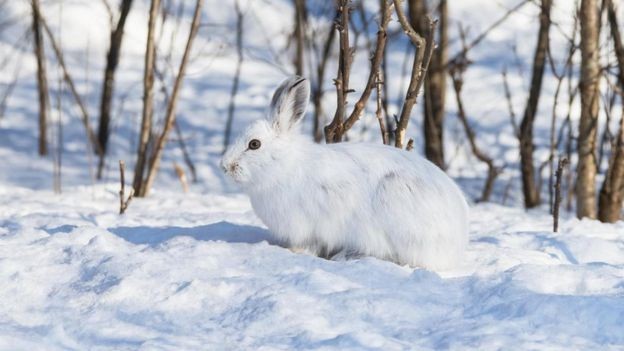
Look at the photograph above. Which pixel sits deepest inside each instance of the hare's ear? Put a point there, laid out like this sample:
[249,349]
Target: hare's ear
[289,103]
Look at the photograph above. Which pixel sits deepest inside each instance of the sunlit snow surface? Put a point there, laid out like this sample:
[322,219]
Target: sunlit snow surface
[198,271]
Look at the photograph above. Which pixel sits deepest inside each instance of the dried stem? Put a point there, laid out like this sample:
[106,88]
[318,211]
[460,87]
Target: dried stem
[555,210]
[379,111]
[123,202]
[553,122]
[182,176]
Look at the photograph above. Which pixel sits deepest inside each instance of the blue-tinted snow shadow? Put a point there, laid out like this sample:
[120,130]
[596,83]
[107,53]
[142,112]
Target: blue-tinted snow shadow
[220,231]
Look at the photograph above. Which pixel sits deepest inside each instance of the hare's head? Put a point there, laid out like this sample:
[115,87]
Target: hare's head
[269,141]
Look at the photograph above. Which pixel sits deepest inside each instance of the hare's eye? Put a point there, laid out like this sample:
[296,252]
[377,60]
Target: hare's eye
[254,144]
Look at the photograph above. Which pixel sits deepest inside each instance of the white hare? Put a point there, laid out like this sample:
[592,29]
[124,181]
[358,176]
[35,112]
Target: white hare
[346,199]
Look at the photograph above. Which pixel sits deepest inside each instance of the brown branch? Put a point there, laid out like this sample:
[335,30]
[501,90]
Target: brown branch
[555,210]
[170,114]
[334,131]
[380,47]
[123,202]
[589,87]
[299,34]
[179,137]
[320,77]
[530,190]
[612,190]
[236,80]
[72,88]
[42,78]
[422,57]
[456,71]
[553,124]
[379,111]
[512,113]
[108,83]
[148,101]
[410,145]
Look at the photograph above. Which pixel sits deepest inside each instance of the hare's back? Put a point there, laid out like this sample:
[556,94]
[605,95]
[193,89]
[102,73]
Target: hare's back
[405,183]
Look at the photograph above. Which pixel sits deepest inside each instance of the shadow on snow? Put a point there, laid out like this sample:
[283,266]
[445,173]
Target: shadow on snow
[220,231]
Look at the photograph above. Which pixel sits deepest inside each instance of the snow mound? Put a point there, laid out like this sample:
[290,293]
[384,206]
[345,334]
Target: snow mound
[75,275]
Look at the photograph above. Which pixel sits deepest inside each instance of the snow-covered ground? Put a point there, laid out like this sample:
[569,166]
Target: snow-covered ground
[200,271]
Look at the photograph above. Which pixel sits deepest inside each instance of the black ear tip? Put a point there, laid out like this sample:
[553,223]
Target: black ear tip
[299,80]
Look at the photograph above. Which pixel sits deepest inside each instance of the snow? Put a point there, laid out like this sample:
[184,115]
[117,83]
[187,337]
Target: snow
[200,271]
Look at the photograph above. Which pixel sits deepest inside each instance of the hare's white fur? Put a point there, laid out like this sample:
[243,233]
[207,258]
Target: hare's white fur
[347,199]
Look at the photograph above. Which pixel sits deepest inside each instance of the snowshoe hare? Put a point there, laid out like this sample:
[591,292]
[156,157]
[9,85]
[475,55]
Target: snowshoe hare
[346,199]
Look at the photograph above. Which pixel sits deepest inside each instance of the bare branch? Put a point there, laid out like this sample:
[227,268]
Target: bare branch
[72,88]
[378,113]
[422,57]
[512,113]
[334,131]
[239,64]
[148,101]
[42,78]
[487,31]
[108,83]
[170,114]
[373,75]
[456,72]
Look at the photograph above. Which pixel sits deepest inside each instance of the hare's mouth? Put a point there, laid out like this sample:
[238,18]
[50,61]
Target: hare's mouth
[234,171]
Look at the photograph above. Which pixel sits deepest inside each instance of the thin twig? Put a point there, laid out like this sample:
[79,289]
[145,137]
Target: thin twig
[487,31]
[123,202]
[512,113]
[72,88]
[379,111]
[170,114]
[555,210]
[456,71]
[239,65]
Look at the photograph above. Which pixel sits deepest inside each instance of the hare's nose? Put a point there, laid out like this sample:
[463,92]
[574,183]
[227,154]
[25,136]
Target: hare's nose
[228,167]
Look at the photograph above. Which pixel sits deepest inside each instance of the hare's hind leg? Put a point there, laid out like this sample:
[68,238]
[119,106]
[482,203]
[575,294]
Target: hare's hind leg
[406,210]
